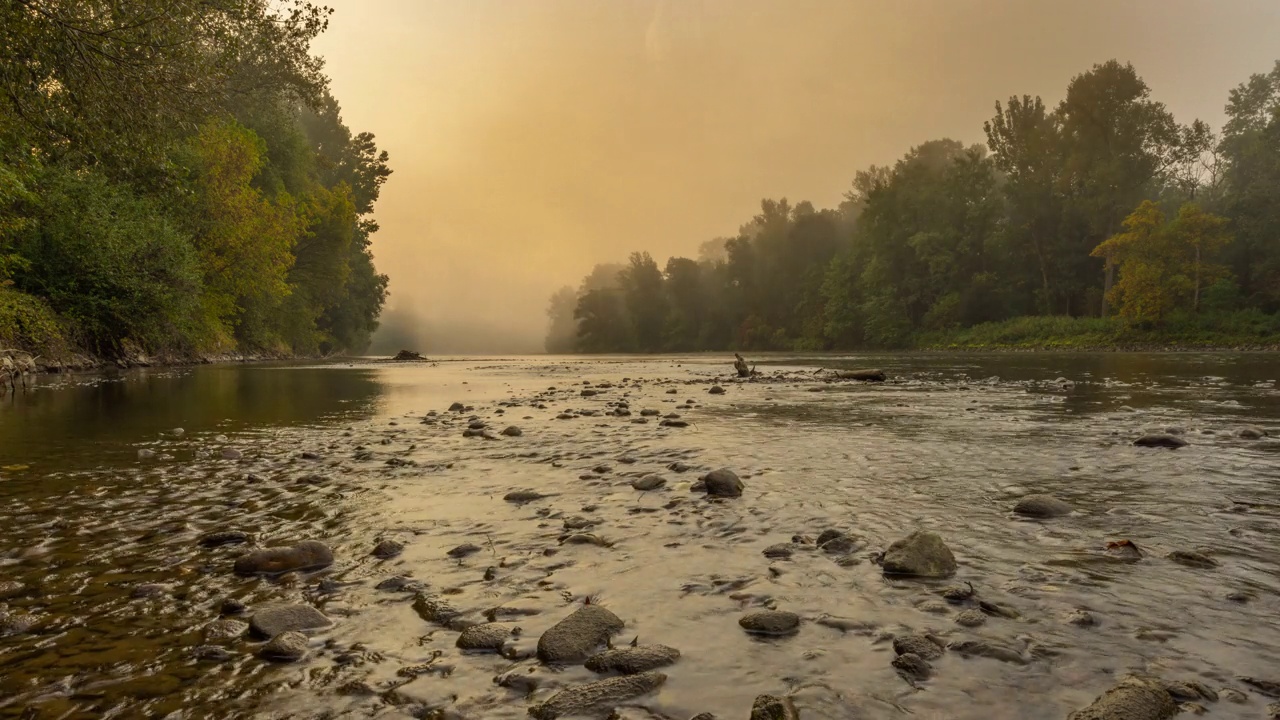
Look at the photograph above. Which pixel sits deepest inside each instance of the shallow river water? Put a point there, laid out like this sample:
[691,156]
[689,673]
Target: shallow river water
[106,591]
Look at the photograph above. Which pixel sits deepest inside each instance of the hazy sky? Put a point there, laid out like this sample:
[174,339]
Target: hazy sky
[532,139]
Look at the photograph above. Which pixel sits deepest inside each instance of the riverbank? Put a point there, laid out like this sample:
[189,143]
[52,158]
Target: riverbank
[1248,330]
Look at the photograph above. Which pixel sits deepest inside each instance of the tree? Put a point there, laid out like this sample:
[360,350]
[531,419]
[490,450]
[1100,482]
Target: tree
[1117,142]
[562,332]
[1163,265]
[1026,145]
[645,301]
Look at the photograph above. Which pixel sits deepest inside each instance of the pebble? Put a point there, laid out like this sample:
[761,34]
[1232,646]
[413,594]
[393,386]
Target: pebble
[487,637]
[722,483]
[387,549]
[649,482]
[632,660]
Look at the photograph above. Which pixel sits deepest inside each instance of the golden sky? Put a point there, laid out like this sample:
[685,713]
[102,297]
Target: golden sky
[532,139]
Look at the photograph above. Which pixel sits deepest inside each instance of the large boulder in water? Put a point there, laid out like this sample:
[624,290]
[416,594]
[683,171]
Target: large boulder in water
[598,696]
[1041,506]
[306,555]
[1132,699]
[722,483]
[920,554]
[275,619]
[576,637]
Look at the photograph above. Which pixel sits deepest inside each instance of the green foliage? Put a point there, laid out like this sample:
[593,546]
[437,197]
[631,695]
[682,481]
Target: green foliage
[175,175]
[28,322]
[111,263]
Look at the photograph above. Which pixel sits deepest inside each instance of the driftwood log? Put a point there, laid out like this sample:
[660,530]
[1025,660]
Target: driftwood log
[867,375]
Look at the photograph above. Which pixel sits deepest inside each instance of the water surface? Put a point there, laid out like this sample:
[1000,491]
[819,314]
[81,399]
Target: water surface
[341,454]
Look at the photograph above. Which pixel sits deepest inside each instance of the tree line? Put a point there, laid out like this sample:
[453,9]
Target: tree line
[1103,206]
[176,176]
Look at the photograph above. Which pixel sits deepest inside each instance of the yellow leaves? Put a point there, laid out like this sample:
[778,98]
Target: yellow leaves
[1163,265]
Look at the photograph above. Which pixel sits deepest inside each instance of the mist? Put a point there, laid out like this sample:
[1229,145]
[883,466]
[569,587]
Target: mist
[534,140]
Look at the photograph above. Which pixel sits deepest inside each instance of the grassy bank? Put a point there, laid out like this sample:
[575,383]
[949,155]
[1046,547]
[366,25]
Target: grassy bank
[1245,329]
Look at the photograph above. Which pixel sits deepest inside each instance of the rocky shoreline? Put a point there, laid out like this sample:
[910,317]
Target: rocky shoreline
[521,605]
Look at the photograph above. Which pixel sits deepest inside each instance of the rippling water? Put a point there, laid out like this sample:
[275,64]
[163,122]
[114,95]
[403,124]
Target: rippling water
[341,454]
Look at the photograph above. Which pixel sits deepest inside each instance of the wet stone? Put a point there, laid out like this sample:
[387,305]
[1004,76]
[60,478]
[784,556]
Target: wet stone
[912,666]
[921,554]
[11,589]
[599,695]
[1172,442]
[286,647]
[781,551]
[770,622]
[722,483]
[1192,559]
[1081,618]
[523,496]
[1132,699]
[1251,432]
[388,549]
[399,583]
[464,550]
[147,591]
[15,623]
[489,637]
[224,537]
[231,606]
[986,649]
[971,618]
[225,629]
[769,707]
[212,653]
[917,645]
[633,660]
[577,636]
[648,483]
[837,542]
[275,619]
[1041,506]
[512,431]
[306,555]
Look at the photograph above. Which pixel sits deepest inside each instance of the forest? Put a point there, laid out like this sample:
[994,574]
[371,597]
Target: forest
[1101,222]
[175,177]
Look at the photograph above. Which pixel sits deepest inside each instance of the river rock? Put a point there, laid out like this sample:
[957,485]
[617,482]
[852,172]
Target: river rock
[275,619]
[598,695]
[983,648]
[487,636]
[836,542]
[400,583]
[224,537]
[1160,441]
[1081,618]
[920,645]
[649,482]
[770,622]
[286,647]
[1270,688]
[387,549]
[212,653]
[722,483]
[15,623]
[912,667]
[146,454]
[231,454]
[716,390]
[770,707]
[464,550]
[920,554]
[1251,432]
[457,407]
[576,637]
[523,496]
[971,618]
[435,609]
[306,555]
[1193,559]
[512,431]
[11,589]
[1132,699]
[1041,506]
[633,660]
[225,629]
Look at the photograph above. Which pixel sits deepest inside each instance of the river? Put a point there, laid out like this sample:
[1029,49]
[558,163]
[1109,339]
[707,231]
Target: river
[107,590]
